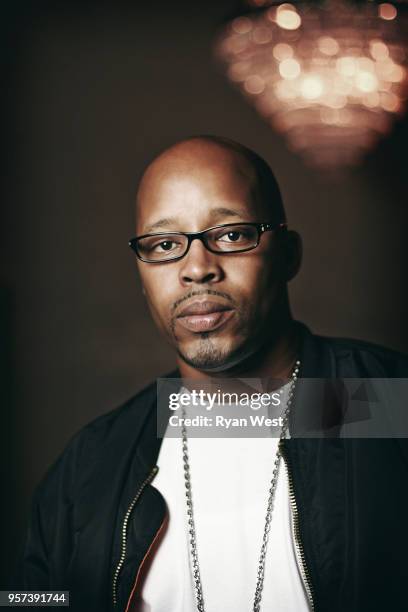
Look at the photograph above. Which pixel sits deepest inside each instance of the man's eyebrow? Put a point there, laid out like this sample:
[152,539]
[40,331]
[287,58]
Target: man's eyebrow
[216,213]
[222,211]
[165,222]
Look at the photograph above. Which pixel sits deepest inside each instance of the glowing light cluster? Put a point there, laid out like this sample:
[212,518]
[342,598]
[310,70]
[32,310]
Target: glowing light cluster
[332,77]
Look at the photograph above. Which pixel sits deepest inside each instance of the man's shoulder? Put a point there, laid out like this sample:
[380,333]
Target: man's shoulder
[128,413]
[108,434]
[127,409]
[366,358]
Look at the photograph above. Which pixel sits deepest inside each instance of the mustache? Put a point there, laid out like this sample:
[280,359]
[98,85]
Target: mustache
[197,292]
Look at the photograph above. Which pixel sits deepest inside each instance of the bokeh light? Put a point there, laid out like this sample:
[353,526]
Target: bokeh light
[311,87]
[328,45]
[287,17]
[387,11]
[282,51]
[254,84]
[330,77]
[289,68]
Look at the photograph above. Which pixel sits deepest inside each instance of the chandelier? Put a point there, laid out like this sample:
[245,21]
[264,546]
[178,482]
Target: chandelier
[330,76]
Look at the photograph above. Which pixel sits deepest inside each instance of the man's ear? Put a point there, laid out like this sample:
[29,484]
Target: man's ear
[293,254]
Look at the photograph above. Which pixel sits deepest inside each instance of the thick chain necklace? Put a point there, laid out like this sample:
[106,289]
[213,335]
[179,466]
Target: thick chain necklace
[190,513]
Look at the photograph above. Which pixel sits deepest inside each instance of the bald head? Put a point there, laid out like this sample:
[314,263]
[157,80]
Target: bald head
[223,159]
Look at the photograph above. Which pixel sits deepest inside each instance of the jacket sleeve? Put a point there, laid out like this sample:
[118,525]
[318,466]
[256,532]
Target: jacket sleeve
[33,572]
[50,533]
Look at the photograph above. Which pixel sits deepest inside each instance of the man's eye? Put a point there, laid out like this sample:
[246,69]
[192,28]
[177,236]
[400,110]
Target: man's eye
[231,236]
[165,245]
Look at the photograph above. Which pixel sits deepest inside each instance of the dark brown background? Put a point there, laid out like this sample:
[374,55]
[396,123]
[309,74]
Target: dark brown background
[92,92]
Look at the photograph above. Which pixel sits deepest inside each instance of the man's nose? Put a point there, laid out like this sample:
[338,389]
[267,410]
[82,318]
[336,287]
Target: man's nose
[200,265]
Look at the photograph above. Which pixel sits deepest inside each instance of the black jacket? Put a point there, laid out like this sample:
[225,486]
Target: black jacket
[351,497]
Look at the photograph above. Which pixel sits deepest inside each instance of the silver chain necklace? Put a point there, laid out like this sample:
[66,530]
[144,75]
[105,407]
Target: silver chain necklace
[190,514]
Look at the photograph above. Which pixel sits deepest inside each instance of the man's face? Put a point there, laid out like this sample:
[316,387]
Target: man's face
[244,290]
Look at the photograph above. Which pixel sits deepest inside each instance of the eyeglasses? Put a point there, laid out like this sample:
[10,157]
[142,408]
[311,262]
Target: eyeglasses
[221,239]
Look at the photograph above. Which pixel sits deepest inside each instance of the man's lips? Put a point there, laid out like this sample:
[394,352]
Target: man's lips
[202,308]
[204,316]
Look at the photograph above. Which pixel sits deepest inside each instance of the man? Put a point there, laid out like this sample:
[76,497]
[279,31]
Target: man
[109,520]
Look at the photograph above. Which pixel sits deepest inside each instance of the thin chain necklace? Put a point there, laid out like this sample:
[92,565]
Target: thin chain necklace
[190,514]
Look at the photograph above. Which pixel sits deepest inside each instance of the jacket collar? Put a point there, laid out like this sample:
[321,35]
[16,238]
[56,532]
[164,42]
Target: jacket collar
[316,356]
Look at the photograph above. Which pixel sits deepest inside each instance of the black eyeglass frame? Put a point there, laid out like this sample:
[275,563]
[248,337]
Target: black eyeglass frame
[261,228]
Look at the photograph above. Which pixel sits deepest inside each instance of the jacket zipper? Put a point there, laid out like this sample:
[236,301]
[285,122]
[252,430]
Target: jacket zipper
[119,566]
[300,553]
[127,609]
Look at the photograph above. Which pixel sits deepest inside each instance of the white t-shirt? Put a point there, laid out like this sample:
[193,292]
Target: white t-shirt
[230,480]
